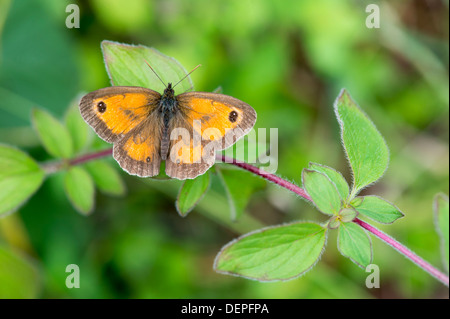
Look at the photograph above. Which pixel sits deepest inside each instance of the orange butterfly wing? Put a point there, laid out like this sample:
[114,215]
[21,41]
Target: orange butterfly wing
[213,122]
[124,116]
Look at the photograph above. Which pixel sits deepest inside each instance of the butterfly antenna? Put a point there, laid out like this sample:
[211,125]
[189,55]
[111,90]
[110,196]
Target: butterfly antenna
[155,73]
[188,74]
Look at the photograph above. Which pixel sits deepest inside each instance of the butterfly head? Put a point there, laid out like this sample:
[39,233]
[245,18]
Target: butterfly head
[169,92]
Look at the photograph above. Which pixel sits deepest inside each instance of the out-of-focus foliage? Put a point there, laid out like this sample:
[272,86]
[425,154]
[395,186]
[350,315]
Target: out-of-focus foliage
[289,60]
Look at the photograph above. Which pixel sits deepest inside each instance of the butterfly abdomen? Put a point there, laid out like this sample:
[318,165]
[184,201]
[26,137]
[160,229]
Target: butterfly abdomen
[165,142]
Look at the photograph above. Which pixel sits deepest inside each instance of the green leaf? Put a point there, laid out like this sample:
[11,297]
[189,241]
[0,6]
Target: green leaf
[322,191]
[334,222]
[347,214]
[273,253]
[80,189]
[335,177]
[77,127]
[441,212]
[366,149]
[19,278]
[377,208]
[357,201]
[354,243]
[106,177]
[53,135]
[126,66]
[191,192]
[20,177]
[239,186]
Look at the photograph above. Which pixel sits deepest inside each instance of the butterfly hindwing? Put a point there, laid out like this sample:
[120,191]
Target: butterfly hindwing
[138,152]
[189,155]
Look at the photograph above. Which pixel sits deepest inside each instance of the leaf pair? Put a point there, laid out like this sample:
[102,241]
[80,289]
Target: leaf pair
[21,176]
[368,156]
[330,194]
[80,183]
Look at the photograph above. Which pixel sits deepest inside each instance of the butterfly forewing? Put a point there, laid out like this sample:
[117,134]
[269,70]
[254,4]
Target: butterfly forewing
[114,111]
[124,115]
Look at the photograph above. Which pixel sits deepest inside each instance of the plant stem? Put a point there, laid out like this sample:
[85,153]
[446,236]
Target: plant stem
[90,157]
[302,193]
[376,232]
[52,167]
[270,177]
[404,251]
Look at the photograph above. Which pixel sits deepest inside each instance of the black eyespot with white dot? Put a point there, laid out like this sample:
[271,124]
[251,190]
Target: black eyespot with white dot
[148,159]
[233,116]
[101,107]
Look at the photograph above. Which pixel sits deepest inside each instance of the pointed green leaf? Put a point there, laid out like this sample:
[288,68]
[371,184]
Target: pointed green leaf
[20,177]
[106,177]
[365,148]
[335,177]
[54,136]
[441,212]
[239,186]
[377,208]
[77,127]
[126,66]
[191,192]
[322,191]
[354,243]
[80,189]
[19,278]
[273,253]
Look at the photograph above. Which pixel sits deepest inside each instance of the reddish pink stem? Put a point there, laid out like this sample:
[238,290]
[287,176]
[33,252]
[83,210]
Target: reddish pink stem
[270,177]
[404,251]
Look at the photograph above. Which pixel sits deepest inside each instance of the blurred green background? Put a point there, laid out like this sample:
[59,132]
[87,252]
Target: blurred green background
[288,59]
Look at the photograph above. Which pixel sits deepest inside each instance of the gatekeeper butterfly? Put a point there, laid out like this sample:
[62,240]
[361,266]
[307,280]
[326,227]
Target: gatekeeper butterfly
[184,130]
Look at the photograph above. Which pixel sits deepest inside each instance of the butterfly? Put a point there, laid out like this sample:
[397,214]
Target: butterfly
[183,130]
